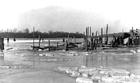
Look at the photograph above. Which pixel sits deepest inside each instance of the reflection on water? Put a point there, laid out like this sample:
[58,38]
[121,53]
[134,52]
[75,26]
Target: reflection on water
[1,58]
[129,62]
[106,59]
[96,60]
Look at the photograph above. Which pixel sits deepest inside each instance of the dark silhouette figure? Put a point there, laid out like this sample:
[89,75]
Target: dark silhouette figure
[95,44]
[63,39]
[1,43]
[7,39]
[14,39]
[66,45]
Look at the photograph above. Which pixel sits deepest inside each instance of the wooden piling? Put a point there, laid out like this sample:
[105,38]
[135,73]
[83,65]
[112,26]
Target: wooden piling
[86,32]
[90,31]
[90,38]
[132,31]
[102,36]
[86,39]
[96,39]
[107,34]
[91,43]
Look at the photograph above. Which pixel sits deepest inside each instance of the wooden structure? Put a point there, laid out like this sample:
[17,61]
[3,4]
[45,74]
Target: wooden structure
[94,40]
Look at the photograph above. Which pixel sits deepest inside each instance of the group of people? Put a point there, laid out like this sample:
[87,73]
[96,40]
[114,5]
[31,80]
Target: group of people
[14,39]
[117,41]
[120,41]
[91,44]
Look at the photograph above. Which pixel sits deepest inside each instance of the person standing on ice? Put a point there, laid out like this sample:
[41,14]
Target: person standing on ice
[14,39]
[1,43]
[7,39]
[95,44]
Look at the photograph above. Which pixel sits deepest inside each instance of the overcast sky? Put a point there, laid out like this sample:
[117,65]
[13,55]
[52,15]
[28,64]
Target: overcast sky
[126,11]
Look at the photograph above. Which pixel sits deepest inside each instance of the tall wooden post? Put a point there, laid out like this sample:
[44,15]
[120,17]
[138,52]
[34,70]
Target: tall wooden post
[87,31]
[133,36]
[132,31]
[107,34]
[86,39]
[90,31]
[90,38]
[91,43]
[96,36]
[102,36]
[96,40]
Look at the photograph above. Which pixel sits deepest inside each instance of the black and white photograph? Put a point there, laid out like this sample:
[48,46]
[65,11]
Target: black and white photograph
[69,41]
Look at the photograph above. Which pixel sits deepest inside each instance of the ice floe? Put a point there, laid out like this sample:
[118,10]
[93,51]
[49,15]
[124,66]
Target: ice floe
[100,75]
